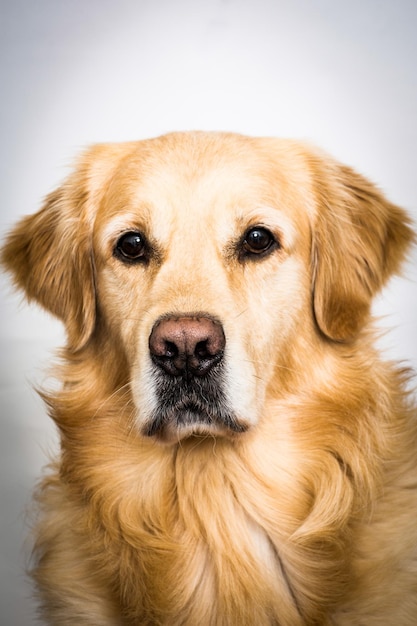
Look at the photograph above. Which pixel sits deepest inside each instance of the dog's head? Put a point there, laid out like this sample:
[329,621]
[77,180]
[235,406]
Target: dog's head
[206,258]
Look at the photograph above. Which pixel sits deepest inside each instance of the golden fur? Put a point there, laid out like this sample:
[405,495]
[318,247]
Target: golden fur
[305,512]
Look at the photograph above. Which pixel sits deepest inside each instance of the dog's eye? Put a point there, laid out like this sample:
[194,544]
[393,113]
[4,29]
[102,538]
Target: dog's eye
[257,242]
[131,247]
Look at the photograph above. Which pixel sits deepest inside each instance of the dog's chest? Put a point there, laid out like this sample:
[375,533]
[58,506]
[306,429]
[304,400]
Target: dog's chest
[202,554]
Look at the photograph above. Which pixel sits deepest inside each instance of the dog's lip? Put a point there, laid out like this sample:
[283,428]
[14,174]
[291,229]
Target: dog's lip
[188,419]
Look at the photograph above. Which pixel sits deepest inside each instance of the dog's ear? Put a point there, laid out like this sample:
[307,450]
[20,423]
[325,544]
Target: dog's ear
[359,240]
[49,253]
[49,257]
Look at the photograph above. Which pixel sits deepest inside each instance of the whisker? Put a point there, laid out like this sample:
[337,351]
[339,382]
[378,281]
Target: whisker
[124,389]
[259,362]
[241,313]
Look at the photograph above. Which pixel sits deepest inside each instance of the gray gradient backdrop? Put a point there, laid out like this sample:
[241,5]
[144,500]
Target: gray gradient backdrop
[341,74]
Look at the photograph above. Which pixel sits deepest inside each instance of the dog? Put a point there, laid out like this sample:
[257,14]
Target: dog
[233,449]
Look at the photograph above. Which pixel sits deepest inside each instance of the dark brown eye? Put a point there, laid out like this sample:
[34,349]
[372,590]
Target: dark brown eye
[131,247]
[258,241]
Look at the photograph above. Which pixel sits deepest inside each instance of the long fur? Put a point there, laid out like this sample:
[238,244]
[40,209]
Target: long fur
[308,517]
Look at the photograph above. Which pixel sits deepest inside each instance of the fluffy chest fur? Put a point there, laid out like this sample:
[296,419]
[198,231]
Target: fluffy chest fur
[218,532]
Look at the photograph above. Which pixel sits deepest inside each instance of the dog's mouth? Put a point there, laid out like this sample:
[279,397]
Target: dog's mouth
[188,408]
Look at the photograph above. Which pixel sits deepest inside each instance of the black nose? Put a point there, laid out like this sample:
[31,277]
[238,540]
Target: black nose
[187,346]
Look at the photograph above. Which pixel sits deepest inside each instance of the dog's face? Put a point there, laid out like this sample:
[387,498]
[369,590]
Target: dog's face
[202,267]
[206,259]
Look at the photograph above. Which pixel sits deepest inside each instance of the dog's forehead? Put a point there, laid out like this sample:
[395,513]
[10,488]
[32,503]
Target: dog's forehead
[200,181]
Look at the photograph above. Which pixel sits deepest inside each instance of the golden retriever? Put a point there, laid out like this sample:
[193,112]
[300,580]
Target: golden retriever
[234,451]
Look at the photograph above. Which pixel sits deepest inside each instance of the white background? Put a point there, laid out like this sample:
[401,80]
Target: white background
[341,74]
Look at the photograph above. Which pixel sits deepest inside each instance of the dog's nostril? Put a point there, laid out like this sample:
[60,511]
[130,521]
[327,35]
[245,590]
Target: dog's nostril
[201,350]
[171,350]
[187,345]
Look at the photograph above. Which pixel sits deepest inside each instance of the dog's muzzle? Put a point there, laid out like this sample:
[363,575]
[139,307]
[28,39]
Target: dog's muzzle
[187,352]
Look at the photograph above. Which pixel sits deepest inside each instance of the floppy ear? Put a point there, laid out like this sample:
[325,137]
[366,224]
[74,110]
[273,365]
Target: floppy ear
[359,240]
[49,253]
[49,257]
